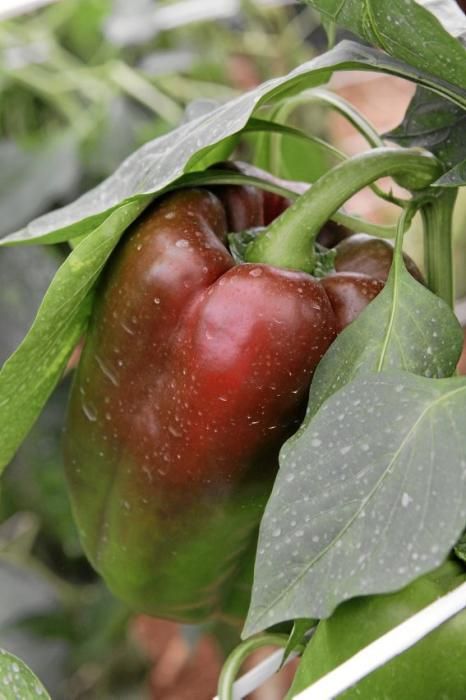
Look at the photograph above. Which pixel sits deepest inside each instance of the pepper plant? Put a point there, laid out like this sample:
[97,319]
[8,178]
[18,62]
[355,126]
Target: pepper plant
[202,349]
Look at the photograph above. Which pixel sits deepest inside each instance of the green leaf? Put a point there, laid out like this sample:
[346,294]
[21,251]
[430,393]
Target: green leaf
[18,681]
[371,495]
[405,327]
[161,162]
[456,177]
[433,123]
[298,636]
[402,28]
[29,376]
[460,548]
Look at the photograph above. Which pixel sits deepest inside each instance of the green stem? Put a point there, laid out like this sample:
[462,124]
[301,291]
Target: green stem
[346,109]
[279,115]
[438,257]
[289,241]
[227,177]
[238,656]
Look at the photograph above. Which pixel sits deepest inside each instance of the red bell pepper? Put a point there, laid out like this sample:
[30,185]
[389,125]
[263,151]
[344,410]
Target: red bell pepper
[194,372]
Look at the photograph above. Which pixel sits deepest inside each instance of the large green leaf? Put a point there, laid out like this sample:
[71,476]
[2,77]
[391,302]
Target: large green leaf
[405,30]
[18,681]
[456,177]
[29,376]
[160,162]
[372,495]
[405,327]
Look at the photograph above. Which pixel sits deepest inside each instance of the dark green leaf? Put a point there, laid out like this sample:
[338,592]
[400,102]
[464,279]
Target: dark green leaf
[29,376]
[18,681]
[405,327]
[371,495]
[460,548]
[298,636]
[436,124]
[402,28]
[456,177]
[160,162]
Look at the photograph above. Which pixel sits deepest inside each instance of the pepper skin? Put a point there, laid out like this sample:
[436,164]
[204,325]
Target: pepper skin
[432,669]
[194,372]
[349,294]
[370,255]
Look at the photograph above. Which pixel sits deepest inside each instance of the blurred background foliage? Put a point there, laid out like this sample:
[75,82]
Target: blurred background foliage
[82,84]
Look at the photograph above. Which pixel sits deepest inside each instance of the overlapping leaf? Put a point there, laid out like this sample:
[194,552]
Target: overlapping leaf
[436,124]
[355,501]
[29,376]
[405,29]
[18,681]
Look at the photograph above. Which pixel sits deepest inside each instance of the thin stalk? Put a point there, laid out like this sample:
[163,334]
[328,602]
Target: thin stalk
[289,241]
[351,114]
[438,256]
[239,655]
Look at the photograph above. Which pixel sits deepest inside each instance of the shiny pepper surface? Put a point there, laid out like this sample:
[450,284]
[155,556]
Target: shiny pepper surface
[194,372]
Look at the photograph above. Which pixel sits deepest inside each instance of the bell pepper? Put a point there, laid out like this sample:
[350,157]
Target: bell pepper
[433,668]
[349,294]
[371,256]
[194,372]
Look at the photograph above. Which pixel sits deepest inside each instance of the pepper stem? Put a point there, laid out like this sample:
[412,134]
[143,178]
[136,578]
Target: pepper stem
[289,241]
[438,257]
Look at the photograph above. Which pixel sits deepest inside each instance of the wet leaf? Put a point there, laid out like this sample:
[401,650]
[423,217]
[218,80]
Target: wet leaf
[352,509]
[436,124]
[456,177]
[18,681]
[405,327]
[405,30]
[28,378]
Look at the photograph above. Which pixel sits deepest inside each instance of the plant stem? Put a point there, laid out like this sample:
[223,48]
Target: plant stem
[239,655]
[438,258]
[346,109]
[289,241]
[228,177]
